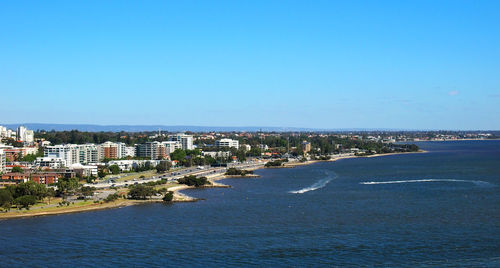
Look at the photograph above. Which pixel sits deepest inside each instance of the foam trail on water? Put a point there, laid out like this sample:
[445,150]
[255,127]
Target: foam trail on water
[317,185]
[478,183]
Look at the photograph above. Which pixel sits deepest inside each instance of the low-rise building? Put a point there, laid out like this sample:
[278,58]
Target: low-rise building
[84,170]
[45,178]
[128,165]
[14,153]
[48,162]
[14,178]
[217,154]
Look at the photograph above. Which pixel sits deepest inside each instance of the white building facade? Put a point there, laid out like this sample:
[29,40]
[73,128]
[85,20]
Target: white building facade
[2,161]
[185,140]
[227,143]
[171,146]
[73,153]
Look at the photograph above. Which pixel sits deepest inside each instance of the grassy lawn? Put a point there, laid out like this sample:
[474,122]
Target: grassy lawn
[36,208]
[166,185]
[131,176]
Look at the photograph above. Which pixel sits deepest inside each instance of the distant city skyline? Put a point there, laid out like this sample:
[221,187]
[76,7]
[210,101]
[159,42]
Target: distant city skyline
[324,65]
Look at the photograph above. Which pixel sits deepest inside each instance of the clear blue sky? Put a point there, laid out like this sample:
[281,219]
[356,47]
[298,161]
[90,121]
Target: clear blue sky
[324,64]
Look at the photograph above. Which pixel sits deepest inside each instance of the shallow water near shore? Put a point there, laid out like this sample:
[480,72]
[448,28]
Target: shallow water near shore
[440,208]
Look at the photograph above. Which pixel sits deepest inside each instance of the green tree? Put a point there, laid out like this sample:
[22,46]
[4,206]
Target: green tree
[29,158]
[163,166]
[6,199]
[169,196]
[67,185]
[141,192]
[17,169]
[241,155]
[87,190]
[255,151]
[25,201]
[192,180]
[178,155]
[115,169]
[111,197]
[101,174]
[39,191]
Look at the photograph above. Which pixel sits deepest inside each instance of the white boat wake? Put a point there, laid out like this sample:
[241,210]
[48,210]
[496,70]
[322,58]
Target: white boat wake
[478,183]
[317,185]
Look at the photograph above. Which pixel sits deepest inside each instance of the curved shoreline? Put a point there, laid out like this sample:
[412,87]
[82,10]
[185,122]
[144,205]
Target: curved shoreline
[219,177]
[178,196]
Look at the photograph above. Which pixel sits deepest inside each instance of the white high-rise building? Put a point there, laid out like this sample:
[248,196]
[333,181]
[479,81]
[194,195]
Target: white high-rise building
[88,154]
[73,153]
[21,133]
[227,143]
[29,136]
[67,152]
[171,146]
[185,140]
[3,132]
[130,151]
[112,150]
[2,161]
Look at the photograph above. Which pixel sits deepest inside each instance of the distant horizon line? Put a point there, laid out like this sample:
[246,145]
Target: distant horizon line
[201,128]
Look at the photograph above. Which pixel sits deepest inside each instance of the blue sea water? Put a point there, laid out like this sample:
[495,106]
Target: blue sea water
[435,209]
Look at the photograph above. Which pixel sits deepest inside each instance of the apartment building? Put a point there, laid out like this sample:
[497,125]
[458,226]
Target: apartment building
[88,154]
[227,143]
[2,161]
[13,153]
[185,140]
[45,178]
[112,150]
[14,178]
[130,151]
[73,153]
[25,135]
[171,146]
[153,150]
[66,152]
[48,162]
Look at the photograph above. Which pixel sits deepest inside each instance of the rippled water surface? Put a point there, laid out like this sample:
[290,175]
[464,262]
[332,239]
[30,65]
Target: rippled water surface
[440,208]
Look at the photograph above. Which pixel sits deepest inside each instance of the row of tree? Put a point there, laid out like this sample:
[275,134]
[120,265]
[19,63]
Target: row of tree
[192,180]
[238,172]
[24,195]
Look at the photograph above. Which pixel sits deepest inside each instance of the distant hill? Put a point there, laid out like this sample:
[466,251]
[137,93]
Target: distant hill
[138,128]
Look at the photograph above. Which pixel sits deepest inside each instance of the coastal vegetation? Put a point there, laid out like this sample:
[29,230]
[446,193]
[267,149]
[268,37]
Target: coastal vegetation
[23,195]
[141,192]
[238,172]
[111,197]
[275,163]
[192,180]
[169,196]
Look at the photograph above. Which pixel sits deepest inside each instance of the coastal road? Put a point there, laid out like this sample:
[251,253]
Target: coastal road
[173,176]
